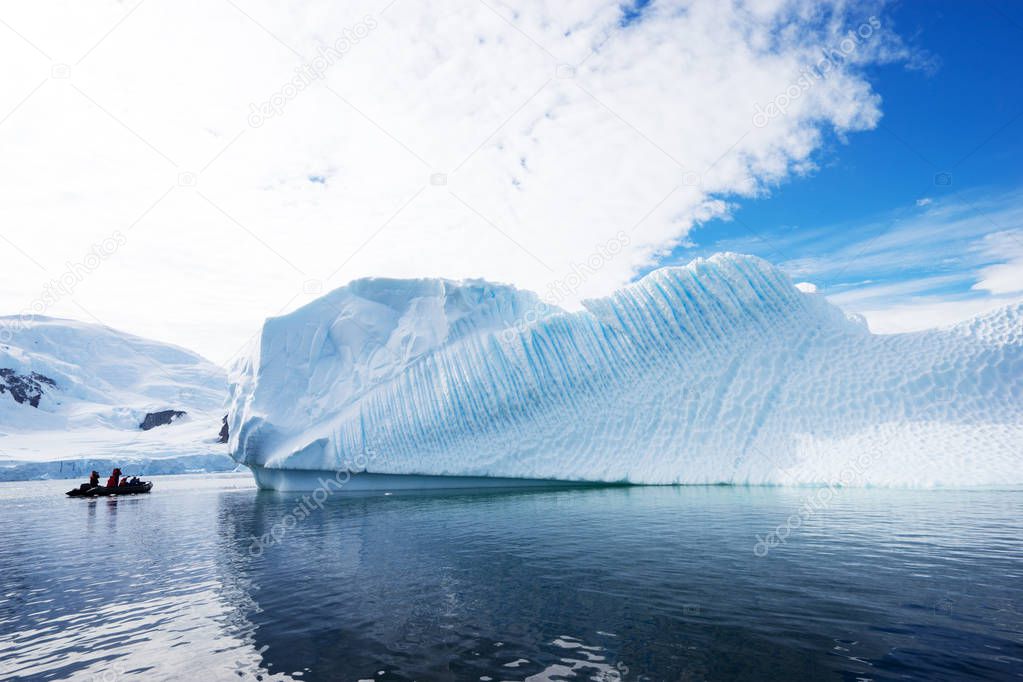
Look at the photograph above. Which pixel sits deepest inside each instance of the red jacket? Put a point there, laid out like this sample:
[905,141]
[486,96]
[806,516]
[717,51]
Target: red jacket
[114,478]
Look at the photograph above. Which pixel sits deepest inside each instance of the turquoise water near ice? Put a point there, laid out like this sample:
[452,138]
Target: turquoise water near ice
[210,579]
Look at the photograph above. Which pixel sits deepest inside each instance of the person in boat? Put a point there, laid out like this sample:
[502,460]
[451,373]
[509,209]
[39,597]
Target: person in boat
[114,478]
[93,482]
[124,481]
[134,481]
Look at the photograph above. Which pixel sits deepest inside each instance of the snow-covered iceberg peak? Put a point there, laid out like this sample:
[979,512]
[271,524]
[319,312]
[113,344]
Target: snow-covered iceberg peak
[719,371]
[327,355]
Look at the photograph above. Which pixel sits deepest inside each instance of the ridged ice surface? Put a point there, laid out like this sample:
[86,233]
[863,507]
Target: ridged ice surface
[719,371]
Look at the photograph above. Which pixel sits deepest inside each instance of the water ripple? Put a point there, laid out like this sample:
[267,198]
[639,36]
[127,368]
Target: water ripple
[605,584]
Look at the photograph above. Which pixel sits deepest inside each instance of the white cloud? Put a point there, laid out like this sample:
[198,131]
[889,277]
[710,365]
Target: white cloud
[925,201]
[807,287]
[928,313]
[547,129]
[1005,277]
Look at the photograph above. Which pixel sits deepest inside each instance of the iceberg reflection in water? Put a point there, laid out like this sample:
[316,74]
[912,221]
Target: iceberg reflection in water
[606,583]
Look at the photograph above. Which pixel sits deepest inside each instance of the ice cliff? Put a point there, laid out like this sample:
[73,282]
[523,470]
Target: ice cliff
[721,371]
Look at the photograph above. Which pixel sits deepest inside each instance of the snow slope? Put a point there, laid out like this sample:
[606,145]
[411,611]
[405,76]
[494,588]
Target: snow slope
[104,382]
[721,371]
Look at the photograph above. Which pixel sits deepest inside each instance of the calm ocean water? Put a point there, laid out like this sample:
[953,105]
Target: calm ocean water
[210,579]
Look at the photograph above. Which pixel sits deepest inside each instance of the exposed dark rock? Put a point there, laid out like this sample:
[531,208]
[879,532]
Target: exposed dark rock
[154,419]
[224,435]
[24,388]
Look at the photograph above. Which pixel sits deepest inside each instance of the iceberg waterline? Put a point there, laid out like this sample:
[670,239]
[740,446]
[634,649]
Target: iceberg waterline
[721,371]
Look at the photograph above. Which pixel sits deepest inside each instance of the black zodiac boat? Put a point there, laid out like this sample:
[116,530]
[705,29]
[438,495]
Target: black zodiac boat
[103,491]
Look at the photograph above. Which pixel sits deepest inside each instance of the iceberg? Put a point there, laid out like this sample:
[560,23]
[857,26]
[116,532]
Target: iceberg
[721,371]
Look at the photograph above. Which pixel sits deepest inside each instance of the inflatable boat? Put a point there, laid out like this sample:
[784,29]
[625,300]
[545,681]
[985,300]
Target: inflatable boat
[103,491]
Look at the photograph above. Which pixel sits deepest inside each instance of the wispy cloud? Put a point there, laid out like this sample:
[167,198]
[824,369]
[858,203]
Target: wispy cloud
[957,257]
[929,312]
[1005,277]
[865,294]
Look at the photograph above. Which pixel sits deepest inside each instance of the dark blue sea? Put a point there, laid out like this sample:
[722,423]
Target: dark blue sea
[209,579]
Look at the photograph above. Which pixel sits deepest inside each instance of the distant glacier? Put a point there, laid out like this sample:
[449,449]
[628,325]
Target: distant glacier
[76,396]
[721,371]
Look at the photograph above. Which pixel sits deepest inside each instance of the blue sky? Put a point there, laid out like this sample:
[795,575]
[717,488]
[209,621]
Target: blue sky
[956,108]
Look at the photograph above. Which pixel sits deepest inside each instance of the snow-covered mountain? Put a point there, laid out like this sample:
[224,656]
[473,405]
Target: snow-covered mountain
[77,396]
[720,371]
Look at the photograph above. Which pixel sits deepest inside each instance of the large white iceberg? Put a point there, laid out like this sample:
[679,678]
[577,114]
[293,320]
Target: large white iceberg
[721,371]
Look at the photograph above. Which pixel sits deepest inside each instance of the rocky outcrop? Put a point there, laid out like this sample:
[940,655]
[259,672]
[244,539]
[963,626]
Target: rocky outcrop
[224,433]
[24,388]
[154,419]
